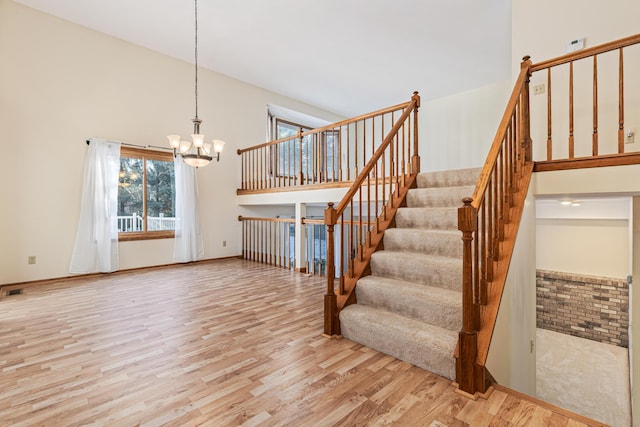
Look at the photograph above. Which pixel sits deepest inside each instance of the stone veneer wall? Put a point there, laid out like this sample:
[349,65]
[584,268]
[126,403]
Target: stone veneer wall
[596,308]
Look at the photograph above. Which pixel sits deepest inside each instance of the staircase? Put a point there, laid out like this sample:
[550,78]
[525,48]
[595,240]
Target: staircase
[411,305]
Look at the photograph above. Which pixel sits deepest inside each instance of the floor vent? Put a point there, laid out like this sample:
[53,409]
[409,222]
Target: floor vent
[11,292]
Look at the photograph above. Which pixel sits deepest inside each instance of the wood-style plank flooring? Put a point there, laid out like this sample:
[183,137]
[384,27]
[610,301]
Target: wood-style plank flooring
[221,343]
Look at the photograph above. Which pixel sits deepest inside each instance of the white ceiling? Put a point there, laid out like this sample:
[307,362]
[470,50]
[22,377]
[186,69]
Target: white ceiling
[346,56]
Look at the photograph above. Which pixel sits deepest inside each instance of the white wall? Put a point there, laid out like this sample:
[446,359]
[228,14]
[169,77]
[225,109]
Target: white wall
[594,247]
[634,313]
[511,360]
[457,131]
[61,83]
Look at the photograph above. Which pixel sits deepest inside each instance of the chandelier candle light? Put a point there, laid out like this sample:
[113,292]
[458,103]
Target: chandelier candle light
[196,153]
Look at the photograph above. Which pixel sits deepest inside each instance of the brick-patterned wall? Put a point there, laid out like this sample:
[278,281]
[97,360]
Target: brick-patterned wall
[590,307]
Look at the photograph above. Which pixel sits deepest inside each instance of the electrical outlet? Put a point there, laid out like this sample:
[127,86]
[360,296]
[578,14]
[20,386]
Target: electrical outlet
[538,89]
[629,136]
[224,243]
[31,259]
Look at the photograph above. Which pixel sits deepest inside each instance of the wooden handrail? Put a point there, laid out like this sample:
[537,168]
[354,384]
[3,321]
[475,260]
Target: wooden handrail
[496,145]
[332,154]
[577,119]
[364,174]
[489,220]
[485,221]
[586,53]
[255,218]
[328,127]
[375,195]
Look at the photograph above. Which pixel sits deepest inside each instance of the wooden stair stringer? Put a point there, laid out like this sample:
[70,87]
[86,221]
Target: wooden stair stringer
[362,261]
[489,312]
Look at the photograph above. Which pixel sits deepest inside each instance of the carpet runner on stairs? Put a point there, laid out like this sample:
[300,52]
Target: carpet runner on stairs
[411,305]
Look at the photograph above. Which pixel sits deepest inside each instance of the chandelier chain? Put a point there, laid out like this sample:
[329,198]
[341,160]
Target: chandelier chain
[196,56]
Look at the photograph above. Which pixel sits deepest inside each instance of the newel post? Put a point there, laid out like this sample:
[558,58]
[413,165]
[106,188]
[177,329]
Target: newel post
[331,325]
[468,336]
[526,118]
[415,158]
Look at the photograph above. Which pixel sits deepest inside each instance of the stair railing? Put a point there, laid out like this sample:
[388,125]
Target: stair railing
[600,152]
[326,157]
[501,189]
[489,220]
[356,226]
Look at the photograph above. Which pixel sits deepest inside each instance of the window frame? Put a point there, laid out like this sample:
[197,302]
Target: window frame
[144,155]
[276,152]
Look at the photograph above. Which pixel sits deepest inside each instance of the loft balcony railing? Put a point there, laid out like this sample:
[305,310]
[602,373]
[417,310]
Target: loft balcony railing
[330,156]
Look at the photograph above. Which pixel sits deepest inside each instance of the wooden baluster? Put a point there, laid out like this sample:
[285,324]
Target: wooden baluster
[509,167]
[571,138]
[500,195]
[415,158]
[526,125]
[368,236]
[330,298]
[300,174]
[480,261]
[242,172]
[496,214]
[348,149]
[355,150]
[620,103]
[594,139]
[404,150]
[549,136]
[352,245]
[360,233]
[341,284]
[490,258]
[263,164]
[481,235]
[468,336]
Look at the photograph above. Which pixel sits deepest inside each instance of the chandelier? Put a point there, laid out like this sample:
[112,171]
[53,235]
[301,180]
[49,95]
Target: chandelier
[196,152]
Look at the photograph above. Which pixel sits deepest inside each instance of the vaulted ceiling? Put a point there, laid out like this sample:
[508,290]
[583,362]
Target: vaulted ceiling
[346,56]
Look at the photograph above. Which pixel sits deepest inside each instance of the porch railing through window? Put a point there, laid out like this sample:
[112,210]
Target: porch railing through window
[326,156]
[135,223]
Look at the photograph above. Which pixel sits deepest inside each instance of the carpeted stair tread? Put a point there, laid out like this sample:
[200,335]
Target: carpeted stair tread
[419,343]
[449,178]
[438,196]
[431,218]
[437,306]
[432,270]
[431,242]
[411,305]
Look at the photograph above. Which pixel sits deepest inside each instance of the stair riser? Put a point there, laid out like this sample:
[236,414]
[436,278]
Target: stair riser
[417,271]
[426,243]
[411,346]
[444,219]
[441,315]
[438,197]
[456,178]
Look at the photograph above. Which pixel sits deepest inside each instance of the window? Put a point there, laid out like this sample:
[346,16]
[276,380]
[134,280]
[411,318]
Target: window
[146,194]
[288,160]
[318,151]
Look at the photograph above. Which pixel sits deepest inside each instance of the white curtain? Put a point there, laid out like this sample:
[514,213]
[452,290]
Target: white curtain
[188,244]
[96,248]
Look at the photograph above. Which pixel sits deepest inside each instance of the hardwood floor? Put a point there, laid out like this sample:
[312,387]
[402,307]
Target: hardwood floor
[221,343]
